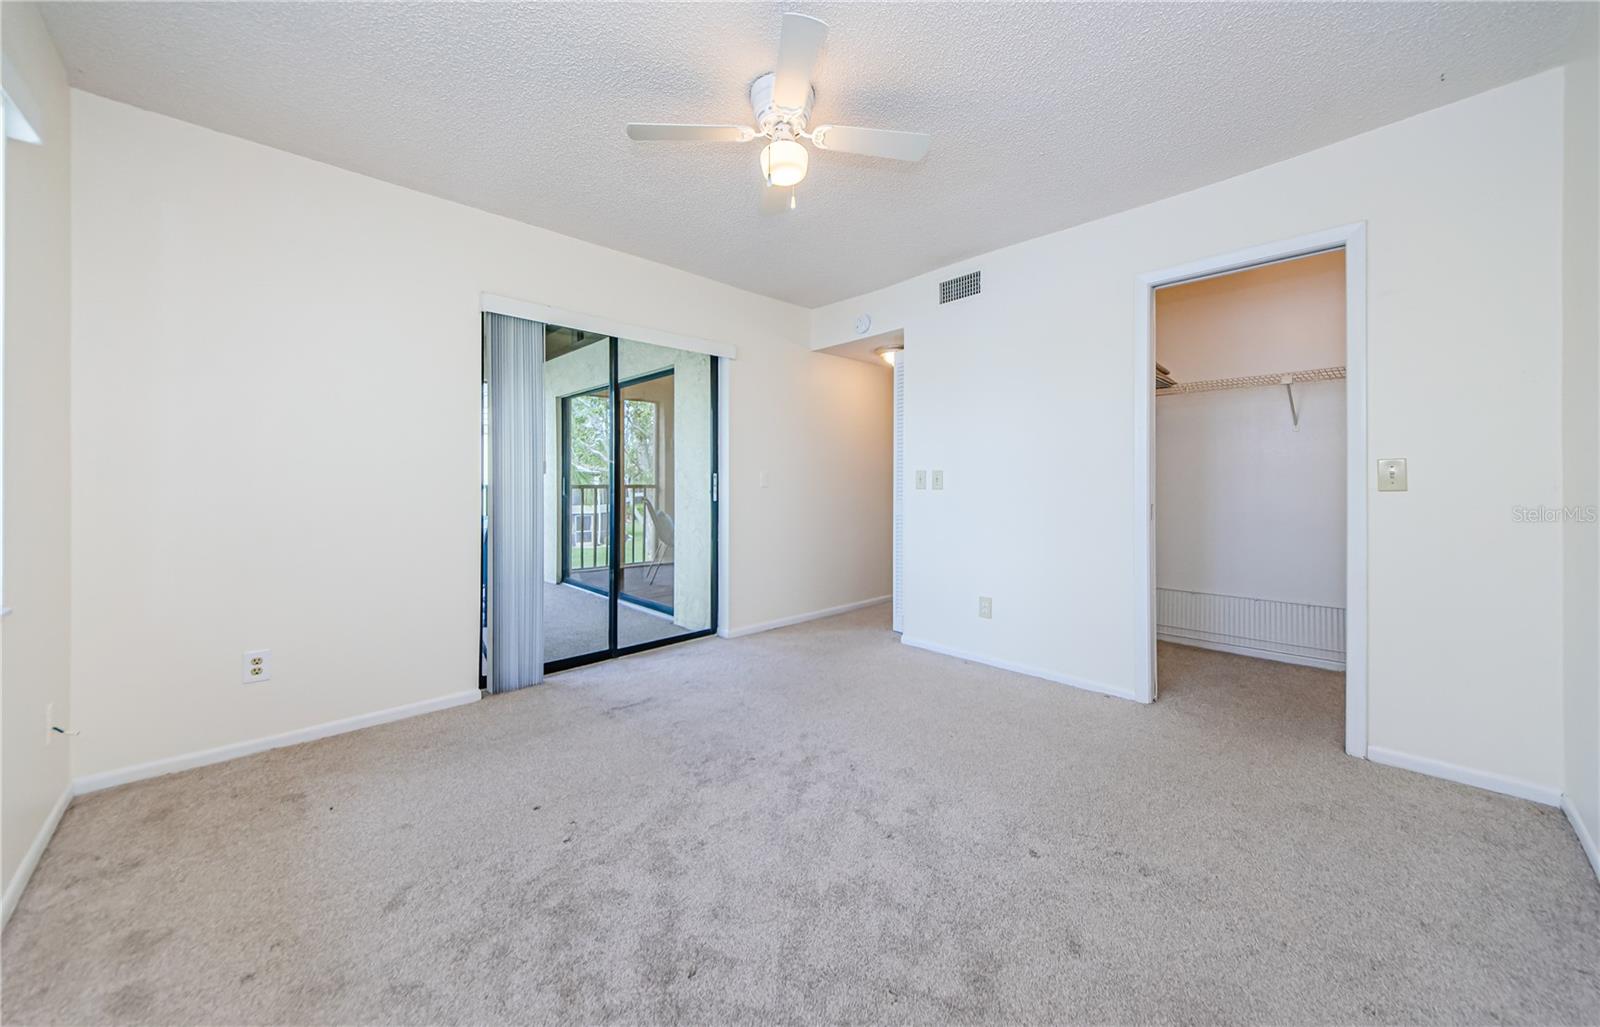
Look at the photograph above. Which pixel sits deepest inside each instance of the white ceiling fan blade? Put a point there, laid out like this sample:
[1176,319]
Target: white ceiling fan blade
[690,133]
[798,48]
[775,199]
[872,142]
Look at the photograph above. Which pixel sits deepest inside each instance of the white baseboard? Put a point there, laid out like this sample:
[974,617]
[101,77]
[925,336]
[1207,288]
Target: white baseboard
[1019,668]
[1244,650]
[171,765]
[1465,775]
[19,880]
[1585,839]
[801,618]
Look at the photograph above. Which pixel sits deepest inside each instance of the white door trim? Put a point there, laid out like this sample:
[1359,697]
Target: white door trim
[1353,240]
[897,616]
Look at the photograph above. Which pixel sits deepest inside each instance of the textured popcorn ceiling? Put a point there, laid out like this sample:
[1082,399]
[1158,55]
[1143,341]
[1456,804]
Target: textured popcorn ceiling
[1043,116]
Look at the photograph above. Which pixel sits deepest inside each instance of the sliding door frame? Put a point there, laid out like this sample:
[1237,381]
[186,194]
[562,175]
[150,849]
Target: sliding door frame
[719,351]
[614,500]
[615,553]
[716,540]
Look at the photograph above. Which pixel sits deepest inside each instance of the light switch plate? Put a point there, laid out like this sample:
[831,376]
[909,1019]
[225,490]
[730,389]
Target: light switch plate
[938,479]
[985,607]
[1392,474]
[922,479]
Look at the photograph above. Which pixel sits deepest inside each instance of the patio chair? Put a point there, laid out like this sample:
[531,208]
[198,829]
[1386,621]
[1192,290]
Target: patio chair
[662,522]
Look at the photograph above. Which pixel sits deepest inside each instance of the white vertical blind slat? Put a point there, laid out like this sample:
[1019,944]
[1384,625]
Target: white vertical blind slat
[515,349]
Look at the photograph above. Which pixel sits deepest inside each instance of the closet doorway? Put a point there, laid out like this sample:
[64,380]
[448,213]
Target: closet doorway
[1251,465]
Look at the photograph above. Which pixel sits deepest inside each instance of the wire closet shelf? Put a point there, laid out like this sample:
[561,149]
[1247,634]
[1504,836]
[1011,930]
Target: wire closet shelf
[1165,386]
[1251,381]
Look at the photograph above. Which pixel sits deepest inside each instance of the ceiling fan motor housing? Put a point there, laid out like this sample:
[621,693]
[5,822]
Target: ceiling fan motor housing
[769,117]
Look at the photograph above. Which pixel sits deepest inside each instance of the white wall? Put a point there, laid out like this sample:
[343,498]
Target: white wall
[34,651]
[1247,506]
[1029,388]
[1580,445]
[822,433]
[276,434]
[1287,316]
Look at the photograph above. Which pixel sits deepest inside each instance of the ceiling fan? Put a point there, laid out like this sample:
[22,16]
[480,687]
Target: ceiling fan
[782,100]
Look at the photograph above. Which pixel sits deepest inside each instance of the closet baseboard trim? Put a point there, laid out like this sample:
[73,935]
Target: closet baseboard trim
[1291,631]
[222,753]
[1020,668]
[1244,650]
[1512,786]
[30,860]
[801,618]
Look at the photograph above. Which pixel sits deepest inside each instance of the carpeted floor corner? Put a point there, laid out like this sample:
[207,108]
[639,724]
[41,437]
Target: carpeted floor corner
[816,824]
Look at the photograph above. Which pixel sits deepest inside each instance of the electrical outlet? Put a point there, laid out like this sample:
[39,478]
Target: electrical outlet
[986,607]
[922,479]
[257,666]
[938,480]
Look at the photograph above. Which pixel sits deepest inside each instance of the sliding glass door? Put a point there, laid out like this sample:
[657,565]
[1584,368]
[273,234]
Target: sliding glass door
[667,502]
[577,522]
[631,486]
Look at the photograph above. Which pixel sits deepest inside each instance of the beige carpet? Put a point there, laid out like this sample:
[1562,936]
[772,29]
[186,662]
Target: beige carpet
[816,824]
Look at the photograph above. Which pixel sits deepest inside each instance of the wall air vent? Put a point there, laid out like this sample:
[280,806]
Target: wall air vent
[961,286]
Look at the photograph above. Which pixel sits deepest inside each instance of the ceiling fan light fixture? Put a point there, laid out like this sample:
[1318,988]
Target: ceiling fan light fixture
[783,163]
[781,102]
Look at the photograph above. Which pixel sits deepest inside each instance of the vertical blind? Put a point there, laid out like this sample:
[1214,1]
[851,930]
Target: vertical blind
[514,358]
